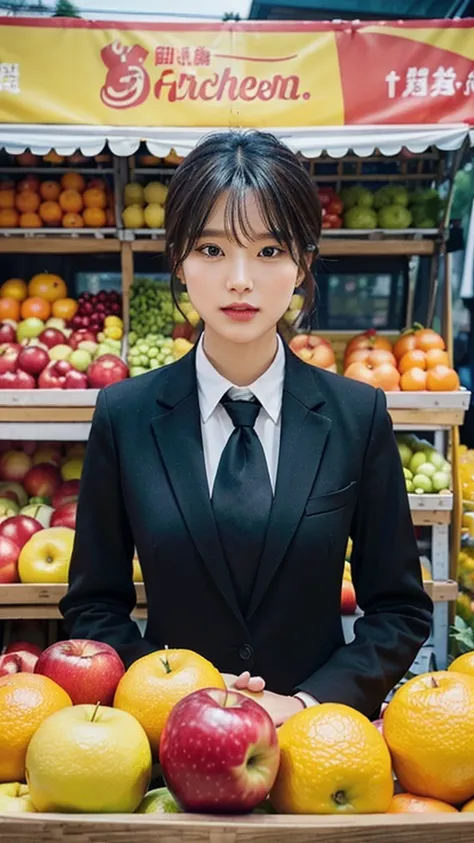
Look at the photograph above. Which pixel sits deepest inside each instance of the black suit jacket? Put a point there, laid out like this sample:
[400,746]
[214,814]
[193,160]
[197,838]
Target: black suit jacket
[144,484]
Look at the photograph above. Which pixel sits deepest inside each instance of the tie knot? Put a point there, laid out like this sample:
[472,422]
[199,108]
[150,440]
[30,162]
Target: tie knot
[242,413]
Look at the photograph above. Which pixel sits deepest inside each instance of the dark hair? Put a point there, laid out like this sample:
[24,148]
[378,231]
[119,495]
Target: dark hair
[237,161]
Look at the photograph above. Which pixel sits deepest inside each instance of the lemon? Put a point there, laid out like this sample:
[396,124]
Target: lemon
[114,333]
[113,322]
[72,469]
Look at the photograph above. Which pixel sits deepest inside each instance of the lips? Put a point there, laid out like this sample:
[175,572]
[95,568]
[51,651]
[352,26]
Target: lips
[243,306]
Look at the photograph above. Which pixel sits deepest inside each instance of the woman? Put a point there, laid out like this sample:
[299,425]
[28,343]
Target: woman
[240,472]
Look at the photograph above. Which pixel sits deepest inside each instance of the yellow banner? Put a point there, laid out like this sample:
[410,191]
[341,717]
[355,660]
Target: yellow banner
[153,76]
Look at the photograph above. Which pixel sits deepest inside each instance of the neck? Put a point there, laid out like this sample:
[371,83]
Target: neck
[240,363]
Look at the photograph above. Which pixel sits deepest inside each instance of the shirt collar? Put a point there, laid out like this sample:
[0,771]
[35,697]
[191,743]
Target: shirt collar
[212,386]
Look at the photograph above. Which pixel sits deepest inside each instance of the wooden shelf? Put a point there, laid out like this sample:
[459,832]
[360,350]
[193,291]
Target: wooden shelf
[60,245]
[41,601]
[427,510]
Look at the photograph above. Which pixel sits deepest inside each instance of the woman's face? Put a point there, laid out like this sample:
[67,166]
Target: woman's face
[240,291]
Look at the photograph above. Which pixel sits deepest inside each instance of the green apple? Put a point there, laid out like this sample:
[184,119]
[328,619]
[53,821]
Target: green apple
[137,370]
[29,328]
[410,486]
[417,459]
[359,218]
[437,459]
[427,469]
[14,488]
[422,484]
[41,512]
[408,474]
[158,801]
[8,508]
[80,359]
[60,352]
[88,345]
[405,454]
[55,322]
[394,216]
[15,799]
[440,481]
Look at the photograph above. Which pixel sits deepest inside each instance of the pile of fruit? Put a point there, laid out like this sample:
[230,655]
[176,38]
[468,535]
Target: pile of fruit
[314,350]
[75,702]
[332,207]
[417,361]
[29,160]
[50,341]
[144,205]
[390,207]
[160,332]
[68,202]
[426,470]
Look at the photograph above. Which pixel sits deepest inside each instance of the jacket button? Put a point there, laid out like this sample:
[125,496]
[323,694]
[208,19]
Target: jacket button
[246,652]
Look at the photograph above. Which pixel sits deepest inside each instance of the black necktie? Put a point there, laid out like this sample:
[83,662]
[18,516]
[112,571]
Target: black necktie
[242,498]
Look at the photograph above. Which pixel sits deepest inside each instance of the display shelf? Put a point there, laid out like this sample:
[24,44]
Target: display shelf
[53,170]
[63,242]
[428,410]
[254,828]
[428,510]
[41,601]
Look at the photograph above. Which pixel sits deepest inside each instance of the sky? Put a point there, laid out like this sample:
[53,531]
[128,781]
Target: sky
[176,10]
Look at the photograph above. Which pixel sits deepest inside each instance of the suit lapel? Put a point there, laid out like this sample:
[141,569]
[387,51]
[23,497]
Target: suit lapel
[177,432]
[303,438]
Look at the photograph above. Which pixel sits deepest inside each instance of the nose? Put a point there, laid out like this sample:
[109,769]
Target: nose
[239,274]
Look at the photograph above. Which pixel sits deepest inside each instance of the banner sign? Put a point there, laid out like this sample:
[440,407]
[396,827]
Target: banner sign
[283,74]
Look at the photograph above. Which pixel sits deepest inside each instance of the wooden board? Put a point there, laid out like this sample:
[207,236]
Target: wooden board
[59,245]
[123,828]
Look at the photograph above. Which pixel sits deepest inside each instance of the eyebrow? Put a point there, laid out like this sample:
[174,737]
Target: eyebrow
[217,232]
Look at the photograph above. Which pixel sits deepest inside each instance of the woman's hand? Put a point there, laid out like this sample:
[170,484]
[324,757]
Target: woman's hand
[244,682]
[279,707]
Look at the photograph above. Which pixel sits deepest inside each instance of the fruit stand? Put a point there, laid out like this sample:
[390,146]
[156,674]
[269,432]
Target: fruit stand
[89,192]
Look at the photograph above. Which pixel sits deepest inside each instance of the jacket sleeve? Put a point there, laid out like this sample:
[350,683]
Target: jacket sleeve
[386,573]
[101,594]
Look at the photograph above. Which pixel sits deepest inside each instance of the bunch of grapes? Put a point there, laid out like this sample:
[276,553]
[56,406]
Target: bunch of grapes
[151,309]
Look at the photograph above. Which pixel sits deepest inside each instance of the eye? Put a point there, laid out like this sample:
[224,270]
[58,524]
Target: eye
[270,252]
[211,251]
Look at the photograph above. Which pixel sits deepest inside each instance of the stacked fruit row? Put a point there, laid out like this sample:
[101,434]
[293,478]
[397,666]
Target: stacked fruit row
[50,341]
[70,202]
[426,470]
[390,207]
[85,756]
[144,205]
[160,332]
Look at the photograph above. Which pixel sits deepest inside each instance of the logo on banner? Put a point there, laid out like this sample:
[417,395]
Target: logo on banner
[127,83]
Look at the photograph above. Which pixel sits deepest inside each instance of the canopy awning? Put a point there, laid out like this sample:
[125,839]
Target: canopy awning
[309,141]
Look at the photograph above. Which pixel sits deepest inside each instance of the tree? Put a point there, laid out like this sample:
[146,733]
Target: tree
[65,9]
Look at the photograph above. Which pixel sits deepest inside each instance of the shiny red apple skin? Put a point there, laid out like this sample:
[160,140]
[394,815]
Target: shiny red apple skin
[51,337]
[76,380]
[7,333]
[67,492]
[205,749]
[106,370]
[348,598]
[20,528]
[9,353]
[89,671]
[53,377]
[26,646]
[18,662]
[32,360]
[24,380]
[65,515]
[79,336]
[42,480]
[9,553]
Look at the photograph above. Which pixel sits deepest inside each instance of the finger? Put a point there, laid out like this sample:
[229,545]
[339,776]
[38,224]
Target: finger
[256,684]
[242,681]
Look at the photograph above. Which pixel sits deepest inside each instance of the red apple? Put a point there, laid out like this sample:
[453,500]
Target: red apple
[42,480]
[26,646]
[219,752]
[32,360]
[9,353]
[54,375]
[7,333]
[14,465]
[348,598]
[79,336]
[66,493]
[88,670]
[20,528]
[64,516]
[18,662]
[51,337]
[23,380]
[9,553]
[8,380]
[106,370]
[76,380]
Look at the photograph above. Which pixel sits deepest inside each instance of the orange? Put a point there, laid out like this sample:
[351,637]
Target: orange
[50,190]
[27,159]
[442,379]
[65,308]
[26,700]
[468,808]
[436,357]
[27,202]
[463,664]
[53,158]
[7,198]
[50,213]
[333,761]
[95,217]
[31,220]
[95,198]
[429,729]
[407,803]
[8,217]
[413,380]
[73,221]
[73,181]
[9,309]
[47,286]
[153,685]
[34,306]
[71,201]
[14,288]
[426,338]
[30,182]
[411,359]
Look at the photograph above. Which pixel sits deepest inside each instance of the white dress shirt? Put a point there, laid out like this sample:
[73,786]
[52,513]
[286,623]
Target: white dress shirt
[217,426]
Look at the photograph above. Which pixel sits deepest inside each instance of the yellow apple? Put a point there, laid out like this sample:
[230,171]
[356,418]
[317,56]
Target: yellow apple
[72,469]
[46,556]
[137,570]
[15,799]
